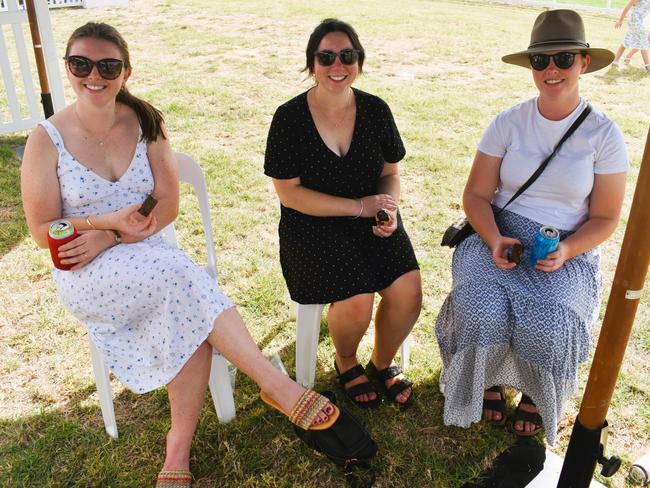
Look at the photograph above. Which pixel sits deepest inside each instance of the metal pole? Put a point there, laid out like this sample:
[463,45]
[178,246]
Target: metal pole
[585,447]
[46,96]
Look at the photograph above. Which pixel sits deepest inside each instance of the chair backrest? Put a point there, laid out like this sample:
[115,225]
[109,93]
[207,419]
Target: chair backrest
[190,172]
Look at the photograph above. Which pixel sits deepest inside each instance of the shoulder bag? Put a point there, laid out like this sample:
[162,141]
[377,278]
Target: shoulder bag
[460,229]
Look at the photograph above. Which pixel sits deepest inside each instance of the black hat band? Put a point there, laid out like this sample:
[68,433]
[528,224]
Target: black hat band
[558,41]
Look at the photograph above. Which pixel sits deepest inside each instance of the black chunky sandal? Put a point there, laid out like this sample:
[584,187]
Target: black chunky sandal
[523,416]
[497,406]
[356,390]
[380,377]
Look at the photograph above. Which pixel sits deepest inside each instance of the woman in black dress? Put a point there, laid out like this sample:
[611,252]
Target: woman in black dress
[332,153]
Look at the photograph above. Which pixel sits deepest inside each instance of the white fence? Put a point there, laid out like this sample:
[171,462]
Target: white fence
[71,3]
[50,3]
[18,101]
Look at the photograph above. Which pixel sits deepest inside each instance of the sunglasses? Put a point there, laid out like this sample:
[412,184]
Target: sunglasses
[540,62]
[81,66]
[347,56]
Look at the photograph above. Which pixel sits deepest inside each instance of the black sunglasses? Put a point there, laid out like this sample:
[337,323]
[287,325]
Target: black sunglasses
[563,60]
[81,66]
[347,56]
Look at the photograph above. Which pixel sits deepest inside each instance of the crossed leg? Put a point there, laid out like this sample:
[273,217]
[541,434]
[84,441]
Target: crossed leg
[232,339]
[187,390]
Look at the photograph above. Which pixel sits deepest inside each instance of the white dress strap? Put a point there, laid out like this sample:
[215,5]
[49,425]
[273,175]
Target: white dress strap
[54,134]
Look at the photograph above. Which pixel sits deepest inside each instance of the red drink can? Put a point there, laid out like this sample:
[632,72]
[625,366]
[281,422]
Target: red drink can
[60,232]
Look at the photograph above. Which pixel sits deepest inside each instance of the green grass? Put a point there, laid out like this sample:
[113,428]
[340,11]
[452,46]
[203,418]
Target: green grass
[12,221]
[218,70]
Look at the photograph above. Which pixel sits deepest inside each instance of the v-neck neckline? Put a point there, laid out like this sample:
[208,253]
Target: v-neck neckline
[354,129]
[72,156]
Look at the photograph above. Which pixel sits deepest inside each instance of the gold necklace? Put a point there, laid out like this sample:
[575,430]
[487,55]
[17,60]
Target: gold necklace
[100,140]
[324,112]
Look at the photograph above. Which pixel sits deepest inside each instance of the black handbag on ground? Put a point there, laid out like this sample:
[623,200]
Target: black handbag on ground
[347,444]
[461,228]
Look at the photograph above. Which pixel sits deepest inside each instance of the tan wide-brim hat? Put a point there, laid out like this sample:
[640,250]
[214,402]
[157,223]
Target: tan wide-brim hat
[560,30]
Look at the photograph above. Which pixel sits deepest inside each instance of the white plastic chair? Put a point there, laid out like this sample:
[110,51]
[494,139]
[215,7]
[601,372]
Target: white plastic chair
[307,332]
[220,387]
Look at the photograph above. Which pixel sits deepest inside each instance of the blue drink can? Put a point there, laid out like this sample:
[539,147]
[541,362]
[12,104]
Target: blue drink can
[546,241]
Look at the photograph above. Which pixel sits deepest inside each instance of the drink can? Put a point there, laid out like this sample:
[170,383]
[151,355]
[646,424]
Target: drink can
[546,241]
[61,231]
[640,471]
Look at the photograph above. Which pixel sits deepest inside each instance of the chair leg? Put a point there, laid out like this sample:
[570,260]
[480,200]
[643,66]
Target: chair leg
[307,332]
[221,389]
[404,353]
[104,391]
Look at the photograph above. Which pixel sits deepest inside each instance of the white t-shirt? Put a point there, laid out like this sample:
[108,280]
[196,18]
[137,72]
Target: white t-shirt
[560,196]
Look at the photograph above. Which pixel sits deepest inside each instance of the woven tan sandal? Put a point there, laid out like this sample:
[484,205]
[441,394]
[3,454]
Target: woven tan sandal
[174,478]
[306,410]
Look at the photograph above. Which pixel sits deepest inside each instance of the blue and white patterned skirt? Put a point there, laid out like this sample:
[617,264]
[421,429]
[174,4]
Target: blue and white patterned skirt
[524,328]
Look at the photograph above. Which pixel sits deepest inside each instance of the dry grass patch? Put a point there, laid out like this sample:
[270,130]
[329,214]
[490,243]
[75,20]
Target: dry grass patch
[218,70]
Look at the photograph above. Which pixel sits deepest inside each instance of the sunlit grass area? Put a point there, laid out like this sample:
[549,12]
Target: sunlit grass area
[218,69]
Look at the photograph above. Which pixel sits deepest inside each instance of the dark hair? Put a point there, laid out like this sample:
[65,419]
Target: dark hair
[150,118]
[328,26]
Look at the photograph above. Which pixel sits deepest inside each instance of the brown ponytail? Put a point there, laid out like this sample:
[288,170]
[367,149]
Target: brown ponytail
[150,118]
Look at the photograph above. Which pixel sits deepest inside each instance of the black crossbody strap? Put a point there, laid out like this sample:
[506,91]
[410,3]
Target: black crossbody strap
[542,166]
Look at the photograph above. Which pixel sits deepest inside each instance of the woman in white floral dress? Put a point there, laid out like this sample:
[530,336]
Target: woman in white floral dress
[154,315]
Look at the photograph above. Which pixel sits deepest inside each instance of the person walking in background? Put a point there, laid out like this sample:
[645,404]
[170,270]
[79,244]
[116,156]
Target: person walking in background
[527,323]
[632,52]
[332,152]
[636,38]
[152,313]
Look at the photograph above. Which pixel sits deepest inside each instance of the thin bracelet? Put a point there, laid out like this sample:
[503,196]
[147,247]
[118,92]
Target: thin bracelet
[360,209]
[90,224]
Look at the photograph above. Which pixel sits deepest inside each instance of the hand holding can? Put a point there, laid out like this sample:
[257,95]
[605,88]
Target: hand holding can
[546,241]
[382,218]
[60,232]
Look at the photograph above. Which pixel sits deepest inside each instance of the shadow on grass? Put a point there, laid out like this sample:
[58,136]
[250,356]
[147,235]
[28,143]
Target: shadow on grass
[623,74]
[67,445]
[13,228]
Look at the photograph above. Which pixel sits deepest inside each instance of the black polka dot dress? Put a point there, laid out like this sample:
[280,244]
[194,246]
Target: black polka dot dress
[327,259]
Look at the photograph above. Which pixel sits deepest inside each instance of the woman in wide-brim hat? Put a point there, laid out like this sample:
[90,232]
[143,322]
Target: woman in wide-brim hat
[517,324]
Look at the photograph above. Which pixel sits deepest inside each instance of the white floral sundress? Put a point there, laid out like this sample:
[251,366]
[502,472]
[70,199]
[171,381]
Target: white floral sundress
[637,37]
[147,306]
